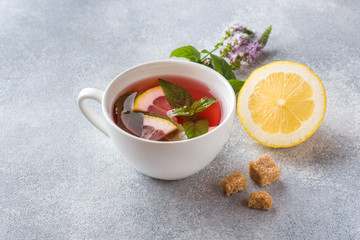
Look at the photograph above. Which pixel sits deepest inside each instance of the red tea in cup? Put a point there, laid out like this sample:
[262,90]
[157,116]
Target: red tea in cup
[143,110]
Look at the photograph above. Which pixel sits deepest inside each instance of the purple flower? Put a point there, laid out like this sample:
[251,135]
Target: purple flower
[207,62]
[237,27]
[253,50]
[238,47]
[235,44]
[232,29]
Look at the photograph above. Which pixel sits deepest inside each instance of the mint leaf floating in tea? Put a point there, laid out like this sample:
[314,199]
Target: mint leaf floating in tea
[185,106]
[183,112]
[195,127]
[177,96]
[202,104]
[196,107]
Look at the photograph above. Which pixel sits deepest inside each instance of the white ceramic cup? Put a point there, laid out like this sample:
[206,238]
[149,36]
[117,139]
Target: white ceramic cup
[163,160]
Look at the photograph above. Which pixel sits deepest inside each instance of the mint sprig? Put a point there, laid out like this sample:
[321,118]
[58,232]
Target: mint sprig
[195,108]
[186,107]
[219,64]
[237,52]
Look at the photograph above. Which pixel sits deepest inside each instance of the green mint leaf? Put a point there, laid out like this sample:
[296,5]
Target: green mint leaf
[196,107]
[222,67]
[202,104]
[188,52]
[195,127]
[236,84]
[177,96]
[265,36]
[183,112]
[204,51]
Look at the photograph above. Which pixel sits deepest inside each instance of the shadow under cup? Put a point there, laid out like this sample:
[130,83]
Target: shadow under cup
[178,159]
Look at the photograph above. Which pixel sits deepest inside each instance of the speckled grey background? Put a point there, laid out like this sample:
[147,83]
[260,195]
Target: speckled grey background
[61,178]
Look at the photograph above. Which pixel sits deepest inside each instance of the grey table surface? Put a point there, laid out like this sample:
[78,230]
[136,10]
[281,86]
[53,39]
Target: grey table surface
[61,178]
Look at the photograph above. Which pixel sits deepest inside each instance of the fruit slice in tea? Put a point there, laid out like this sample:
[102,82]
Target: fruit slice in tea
[152,127]
[152,100]
[155,128]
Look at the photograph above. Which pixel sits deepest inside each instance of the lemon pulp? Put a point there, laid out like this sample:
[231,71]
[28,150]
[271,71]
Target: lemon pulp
[282,104]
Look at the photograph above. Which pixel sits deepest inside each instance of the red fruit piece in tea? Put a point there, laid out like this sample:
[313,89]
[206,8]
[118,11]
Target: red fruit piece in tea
[152,100]
[152,127]
[155,128]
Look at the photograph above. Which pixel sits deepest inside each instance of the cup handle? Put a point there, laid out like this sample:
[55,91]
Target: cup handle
[90,114]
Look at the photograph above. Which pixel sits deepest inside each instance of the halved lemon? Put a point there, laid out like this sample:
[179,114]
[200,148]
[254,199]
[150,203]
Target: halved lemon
[282,104]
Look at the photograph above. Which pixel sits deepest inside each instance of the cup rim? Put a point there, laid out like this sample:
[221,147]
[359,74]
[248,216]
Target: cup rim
[204,68]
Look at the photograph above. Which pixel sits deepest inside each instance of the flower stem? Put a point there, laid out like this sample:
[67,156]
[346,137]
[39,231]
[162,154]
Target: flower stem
[201,60]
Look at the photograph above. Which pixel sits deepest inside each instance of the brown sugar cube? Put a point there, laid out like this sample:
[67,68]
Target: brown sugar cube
[264,171]
[234,183]
[260,200]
